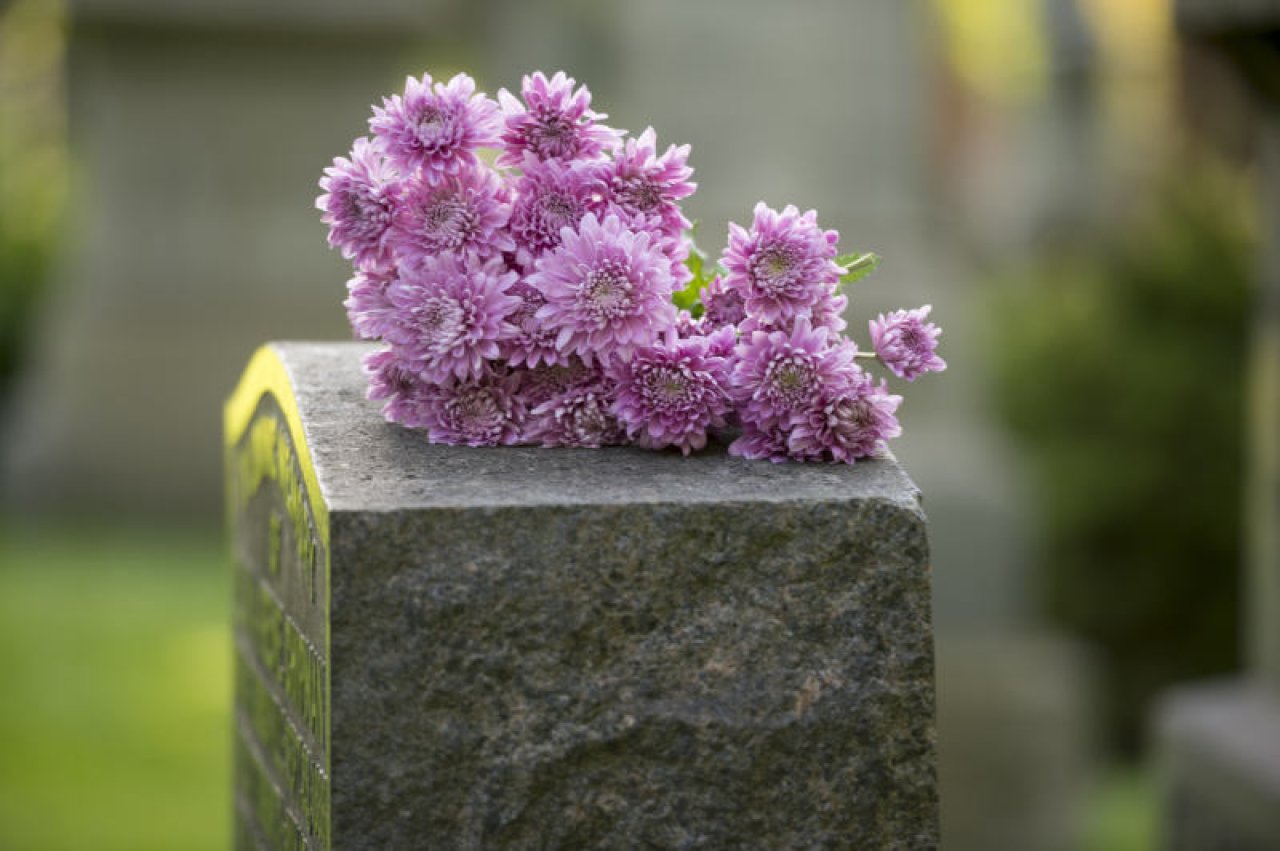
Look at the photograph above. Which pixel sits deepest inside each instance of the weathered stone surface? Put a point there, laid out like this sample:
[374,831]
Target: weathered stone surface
[526,648]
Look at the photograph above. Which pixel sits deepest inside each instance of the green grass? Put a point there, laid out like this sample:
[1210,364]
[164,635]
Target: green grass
[1123,810]
[115,662]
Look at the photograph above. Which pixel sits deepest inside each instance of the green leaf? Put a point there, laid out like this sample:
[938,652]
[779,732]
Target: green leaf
[687,298]
[857,266]
[702,271]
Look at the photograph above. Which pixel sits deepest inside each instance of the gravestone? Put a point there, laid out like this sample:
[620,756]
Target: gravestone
[520,647]
[1219,743]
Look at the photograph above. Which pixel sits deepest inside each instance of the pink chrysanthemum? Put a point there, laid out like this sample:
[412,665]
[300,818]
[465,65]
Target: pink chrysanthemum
[608,290]
[722,304]
[359,203]
[847,424]
[393,380]
[544,382]
[436,126]
[784,265]
[466,213]
[486,410]
[721,341]
[535,304]
[827,313]
[555,122]
[671,394]
[677,251]
[533,343]
[646,189]
[687,326]
[580,416]
[451,315]
[767,442]
[550,197]
[905,342]
[368,308]
[781,373]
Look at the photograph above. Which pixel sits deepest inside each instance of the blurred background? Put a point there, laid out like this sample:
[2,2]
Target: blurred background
[1073,184]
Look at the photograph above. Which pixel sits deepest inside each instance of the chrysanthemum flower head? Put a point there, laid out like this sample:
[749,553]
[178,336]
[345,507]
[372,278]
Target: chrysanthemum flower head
[541,383]
[608,290]
[905,342]
[533,343]
[369,309]
[687,326]
[485,410]
[550,196]
[436,127]
[722,341]
[784,265]
[846,424]
[580,416]
[466,213]
[778,374]
[671,394]
[722,304]
[827,312]
[359,203]
[404,391]
[646,189]
[555,122]
[761,442]
[451,315]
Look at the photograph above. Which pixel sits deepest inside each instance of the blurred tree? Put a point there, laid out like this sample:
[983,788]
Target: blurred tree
[33,164]
[1119,362]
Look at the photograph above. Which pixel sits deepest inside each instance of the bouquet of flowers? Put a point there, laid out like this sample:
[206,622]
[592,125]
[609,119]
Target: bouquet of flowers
[533,280]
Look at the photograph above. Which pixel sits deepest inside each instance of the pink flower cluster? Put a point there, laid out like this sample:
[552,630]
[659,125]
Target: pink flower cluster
[532,278]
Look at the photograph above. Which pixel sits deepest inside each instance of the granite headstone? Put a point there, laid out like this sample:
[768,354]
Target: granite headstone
[519,647]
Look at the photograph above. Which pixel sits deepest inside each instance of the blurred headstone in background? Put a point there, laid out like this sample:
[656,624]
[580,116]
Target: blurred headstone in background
[1219,744]
[199,130]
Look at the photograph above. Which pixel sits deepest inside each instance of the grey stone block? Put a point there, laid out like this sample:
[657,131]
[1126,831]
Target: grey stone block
[1016,740]
[1219,760]
[445,647]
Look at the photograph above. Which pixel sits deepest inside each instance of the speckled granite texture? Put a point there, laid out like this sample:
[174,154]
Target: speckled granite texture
[535,648]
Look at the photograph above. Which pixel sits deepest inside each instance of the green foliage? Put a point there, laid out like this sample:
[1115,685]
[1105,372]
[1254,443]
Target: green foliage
[33,166]
[857,266]
[703,271]
[1122,812]
[1120,362]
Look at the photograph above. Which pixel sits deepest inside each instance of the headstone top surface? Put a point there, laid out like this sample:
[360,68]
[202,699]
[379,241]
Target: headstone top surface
[363,463]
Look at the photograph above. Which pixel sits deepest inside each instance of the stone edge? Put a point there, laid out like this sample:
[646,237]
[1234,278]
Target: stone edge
[267,374]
